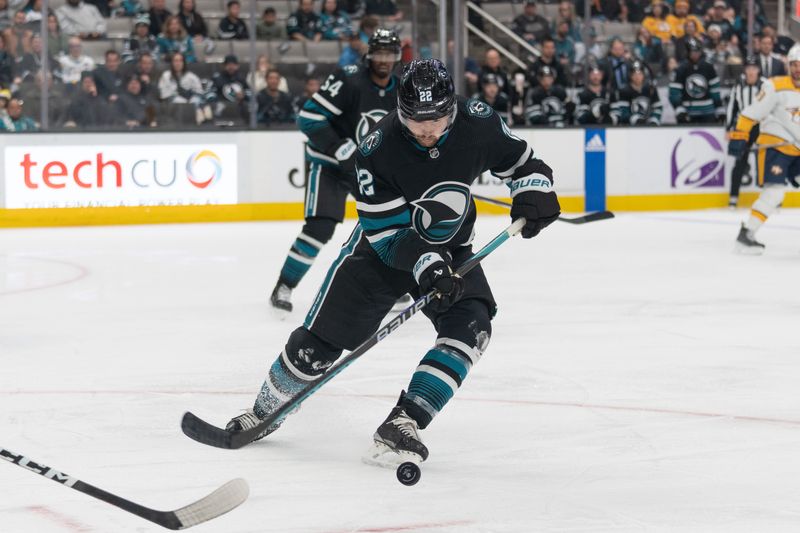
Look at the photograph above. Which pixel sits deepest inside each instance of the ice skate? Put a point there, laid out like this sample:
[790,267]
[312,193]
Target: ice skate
[747,244]
[396,441]
[281,297]
[249,420]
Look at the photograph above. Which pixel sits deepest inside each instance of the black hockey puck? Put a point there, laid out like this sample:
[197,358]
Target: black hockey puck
[408,473]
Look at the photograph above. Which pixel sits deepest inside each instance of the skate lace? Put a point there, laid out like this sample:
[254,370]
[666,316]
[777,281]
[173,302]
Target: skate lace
[284,292]
[406,427]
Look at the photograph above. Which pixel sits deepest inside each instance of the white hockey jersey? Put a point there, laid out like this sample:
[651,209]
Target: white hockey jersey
[777,109]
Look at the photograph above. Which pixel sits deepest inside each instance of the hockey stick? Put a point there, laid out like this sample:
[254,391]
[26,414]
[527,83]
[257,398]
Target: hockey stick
[591,217]
[205,433]
[757,147]
[224,499]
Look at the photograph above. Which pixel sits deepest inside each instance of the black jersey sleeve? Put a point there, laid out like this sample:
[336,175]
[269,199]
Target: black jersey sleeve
[510,157]
[383,211]
[334,98]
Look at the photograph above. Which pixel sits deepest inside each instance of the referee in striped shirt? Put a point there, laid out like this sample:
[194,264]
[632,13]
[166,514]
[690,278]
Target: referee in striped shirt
[742,96]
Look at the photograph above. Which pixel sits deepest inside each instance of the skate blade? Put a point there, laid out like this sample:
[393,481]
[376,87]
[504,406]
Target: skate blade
[278,313]
[743,249]
[379,454]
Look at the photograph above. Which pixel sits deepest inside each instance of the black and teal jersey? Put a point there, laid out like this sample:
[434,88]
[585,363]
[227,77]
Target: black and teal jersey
[411,199]
[694,90]
[638,106]
[594,107]
[347,105]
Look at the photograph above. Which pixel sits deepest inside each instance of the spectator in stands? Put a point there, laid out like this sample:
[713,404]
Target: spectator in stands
[529,25]
[634,10]
[565,45]
[491,65]
[57,42]
[548,58]
[566,12]
[32,91]
[6,17]
[656,21]
[232,27]
[274,105]
[717,16]
[268,27]
[771,64]
[257,80]
[146,72]
[334,22]
[385,9]
[130,8]
[103,6]
[75,63]
[174,39]
[31,62]
[638,104]
[353,51]
[310,87]
[87,109]
[718,51]
[783,43]
[179,86]
[472,70]
[491,95]
[615,65]
[546,104]
[367,27]
[140,41]
[694,88]
[649,49]
[108,78]
[158,14]
[134,108]
[18,35]
[230,86]
[304,24]
[192,21]
[13,120]
[690,31]
[79,18]
[595,101]
[33,11]
[677,21]
[6,64]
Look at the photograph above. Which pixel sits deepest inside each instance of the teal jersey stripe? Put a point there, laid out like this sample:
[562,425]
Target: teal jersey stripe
[386,248]
[450,360]
[308,249]
[371,224]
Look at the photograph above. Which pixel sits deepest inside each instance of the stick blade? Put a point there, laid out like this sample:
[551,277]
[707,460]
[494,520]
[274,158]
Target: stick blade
[226,498]
[591,217]
[201,431]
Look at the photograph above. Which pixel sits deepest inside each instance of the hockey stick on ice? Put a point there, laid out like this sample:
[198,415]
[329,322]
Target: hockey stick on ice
[591,217]
[205,433]
[224,499]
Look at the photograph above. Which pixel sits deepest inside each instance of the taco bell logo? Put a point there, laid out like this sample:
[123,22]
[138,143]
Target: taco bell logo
[697,161]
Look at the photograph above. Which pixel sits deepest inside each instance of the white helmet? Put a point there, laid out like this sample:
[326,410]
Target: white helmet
[794,53]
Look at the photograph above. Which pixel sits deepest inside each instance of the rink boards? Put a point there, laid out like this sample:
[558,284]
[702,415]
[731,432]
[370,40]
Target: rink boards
[133,178]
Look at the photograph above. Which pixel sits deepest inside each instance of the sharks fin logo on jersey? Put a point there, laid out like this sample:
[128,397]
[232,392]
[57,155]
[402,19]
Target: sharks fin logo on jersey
[367,121]
[476,108]
[696,86]
[440,212]
[370,143]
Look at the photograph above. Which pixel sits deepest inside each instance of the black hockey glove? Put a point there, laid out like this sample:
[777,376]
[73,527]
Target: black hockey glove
[534,199]
[345,154]
[433,271]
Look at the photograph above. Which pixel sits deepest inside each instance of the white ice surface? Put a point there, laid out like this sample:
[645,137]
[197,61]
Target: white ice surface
[641,377]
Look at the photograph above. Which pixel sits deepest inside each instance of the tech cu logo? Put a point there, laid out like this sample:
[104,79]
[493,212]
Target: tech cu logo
[367,120]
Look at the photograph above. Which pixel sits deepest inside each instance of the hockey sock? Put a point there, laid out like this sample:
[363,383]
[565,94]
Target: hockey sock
[304,358]
[767,203]
[316,232]
[464,333]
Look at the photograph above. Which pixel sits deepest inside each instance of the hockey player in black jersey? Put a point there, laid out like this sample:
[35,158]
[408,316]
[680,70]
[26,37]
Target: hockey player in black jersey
[546,104]
[638,104]
[416,223]
[335,120]
[595,101]
[694,88]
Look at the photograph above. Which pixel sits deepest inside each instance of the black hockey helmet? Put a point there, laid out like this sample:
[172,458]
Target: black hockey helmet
[752,61]
[693,45]
[384,39]
[426,92]
[637,66]
[545,70]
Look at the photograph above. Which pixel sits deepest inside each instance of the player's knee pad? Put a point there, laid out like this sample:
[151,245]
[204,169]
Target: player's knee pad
[307,356]
[320,229]
[770,198]
[466,327]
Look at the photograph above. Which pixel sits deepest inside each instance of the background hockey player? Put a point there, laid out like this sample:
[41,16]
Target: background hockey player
[694,88]
[547,103]
[595,100]
[417,220]
[335,119]
[739,143]
[776,110]
[638,104]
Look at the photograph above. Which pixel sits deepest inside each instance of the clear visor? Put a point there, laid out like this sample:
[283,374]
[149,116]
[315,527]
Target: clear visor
[384,56]
[428,132]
